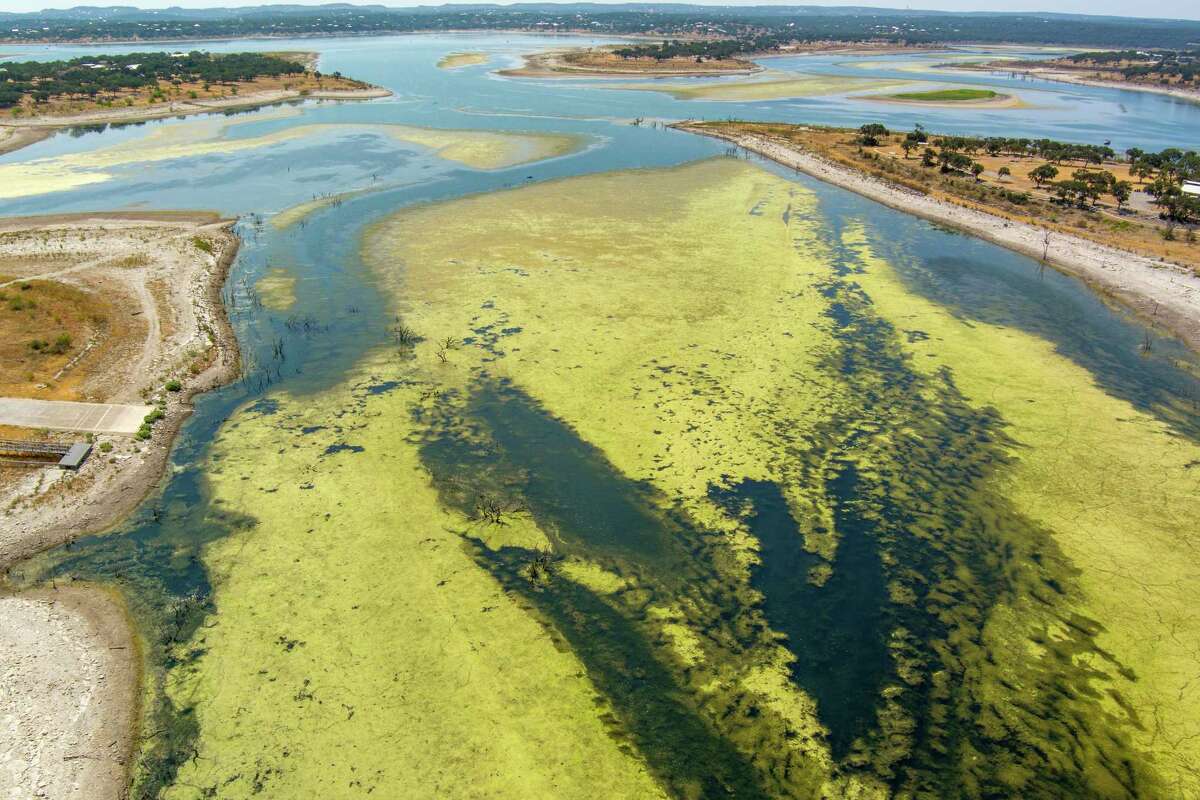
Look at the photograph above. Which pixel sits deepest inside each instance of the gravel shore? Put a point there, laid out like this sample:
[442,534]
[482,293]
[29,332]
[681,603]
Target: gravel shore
[68,695]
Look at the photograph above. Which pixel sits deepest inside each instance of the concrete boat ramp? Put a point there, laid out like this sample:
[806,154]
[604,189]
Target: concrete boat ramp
[62,415]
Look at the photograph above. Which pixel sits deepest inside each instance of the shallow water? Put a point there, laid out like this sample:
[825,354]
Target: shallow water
[701,480]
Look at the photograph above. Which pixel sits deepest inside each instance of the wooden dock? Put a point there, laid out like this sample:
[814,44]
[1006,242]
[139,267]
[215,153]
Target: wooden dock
[40,454]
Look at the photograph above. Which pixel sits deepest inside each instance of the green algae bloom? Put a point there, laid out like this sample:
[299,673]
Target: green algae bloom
[947,95]
[277,289]
[770,86]
[668,485]
[478,149]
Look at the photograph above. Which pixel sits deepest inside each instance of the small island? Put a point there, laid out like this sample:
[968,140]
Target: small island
[616,61]
[947,95]
[460,60]
[39,97]
[953,97]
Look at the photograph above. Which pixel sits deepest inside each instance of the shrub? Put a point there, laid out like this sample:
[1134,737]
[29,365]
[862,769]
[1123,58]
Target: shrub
[105,447]
[38,345]
[202,244]
[143,433]
[62,344]
[173,385]
[154,416]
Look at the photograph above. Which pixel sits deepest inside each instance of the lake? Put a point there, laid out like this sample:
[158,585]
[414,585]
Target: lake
[588,454]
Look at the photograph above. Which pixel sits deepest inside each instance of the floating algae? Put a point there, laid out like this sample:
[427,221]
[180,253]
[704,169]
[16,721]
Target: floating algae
[771,86]
[1112,478]
[277,289]
[357,647]
[658,489]
[983,668]
[479,149]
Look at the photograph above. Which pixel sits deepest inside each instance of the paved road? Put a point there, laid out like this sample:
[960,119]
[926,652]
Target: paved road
[65,416]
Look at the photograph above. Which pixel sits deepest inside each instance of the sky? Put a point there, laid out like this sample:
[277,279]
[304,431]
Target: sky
[1178,9]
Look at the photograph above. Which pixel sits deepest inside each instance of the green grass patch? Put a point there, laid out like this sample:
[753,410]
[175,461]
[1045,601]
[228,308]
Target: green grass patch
[947,95]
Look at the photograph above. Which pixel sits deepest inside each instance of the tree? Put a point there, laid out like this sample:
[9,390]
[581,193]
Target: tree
[1096,183]
[928,158]
[1072,191]
[1141,170]
[1044,174]
[952,161]
[1121,191]
[871,133]
[908,144]
[1004,172]
[976,169]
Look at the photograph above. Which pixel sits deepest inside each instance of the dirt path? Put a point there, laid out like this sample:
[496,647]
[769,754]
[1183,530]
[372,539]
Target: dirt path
[150,350]
[68,695]
[82,266]
[1160,291]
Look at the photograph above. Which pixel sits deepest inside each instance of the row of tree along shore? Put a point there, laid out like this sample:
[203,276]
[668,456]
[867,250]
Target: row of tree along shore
[1135,202]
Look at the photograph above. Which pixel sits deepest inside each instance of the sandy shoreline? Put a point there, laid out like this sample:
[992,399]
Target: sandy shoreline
[15,138]
[17,133]
[68,694]
[1164,292]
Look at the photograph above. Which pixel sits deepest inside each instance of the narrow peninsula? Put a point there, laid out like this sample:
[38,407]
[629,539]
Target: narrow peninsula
[40,97]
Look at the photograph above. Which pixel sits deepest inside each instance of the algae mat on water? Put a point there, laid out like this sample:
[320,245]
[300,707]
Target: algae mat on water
[478,149]
[653,494]
[771,86]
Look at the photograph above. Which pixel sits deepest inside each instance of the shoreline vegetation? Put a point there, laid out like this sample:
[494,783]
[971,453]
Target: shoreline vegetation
[1174,73]
[673,59]
[1154,288]
[139,87]
[606,63]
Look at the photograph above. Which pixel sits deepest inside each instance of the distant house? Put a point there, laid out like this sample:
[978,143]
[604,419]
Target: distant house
[1192,188]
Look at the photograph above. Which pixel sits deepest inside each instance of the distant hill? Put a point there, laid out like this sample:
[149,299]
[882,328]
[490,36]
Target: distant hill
[777,23]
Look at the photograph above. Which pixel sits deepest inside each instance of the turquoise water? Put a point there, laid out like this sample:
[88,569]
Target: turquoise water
[343,315]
